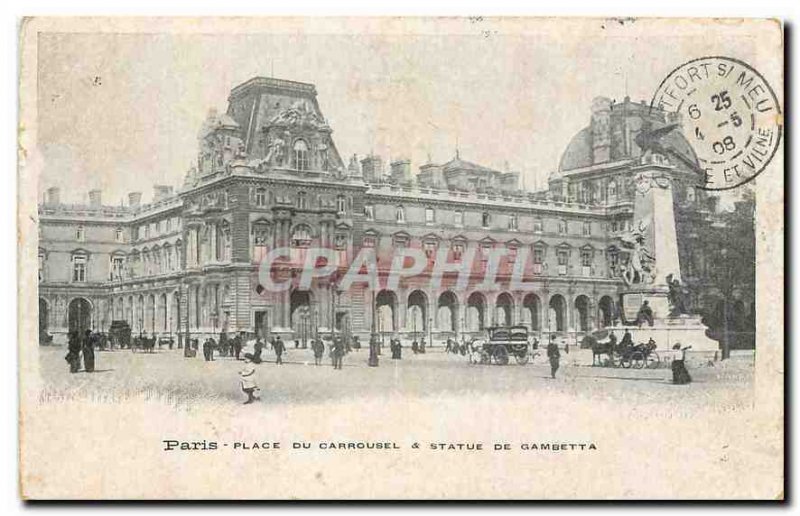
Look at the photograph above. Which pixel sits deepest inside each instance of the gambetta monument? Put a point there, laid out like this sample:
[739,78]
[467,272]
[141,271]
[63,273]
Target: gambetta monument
[652,271]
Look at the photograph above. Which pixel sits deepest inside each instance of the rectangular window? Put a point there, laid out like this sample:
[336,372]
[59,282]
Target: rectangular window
[79,268]
[168,224]
[261,197]
[369,212]
[538,260]
[429,216]
[119,235]
[458,250]
[41,267]
[80,234]
[459,218]
[586,258]
[563,261]
[369,241]
[562,227]
[485,220]
[538,226]
[430,250]
[117,265]
[513,222]
[587,229]
[512,254]
[260,239]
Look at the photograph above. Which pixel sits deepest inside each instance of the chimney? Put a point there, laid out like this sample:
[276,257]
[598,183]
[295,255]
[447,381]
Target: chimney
[54,195]
[401,171]
[95,198]
[134,199]
[161,192]
[372,168]
[601,129]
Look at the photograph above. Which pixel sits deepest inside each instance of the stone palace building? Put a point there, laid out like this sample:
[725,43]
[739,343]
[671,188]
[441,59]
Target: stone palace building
[268,174]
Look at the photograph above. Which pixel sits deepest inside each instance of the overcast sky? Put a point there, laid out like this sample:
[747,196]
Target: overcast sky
[121,112]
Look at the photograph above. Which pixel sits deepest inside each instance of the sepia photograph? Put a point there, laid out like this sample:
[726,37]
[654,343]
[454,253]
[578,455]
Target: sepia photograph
[401,258]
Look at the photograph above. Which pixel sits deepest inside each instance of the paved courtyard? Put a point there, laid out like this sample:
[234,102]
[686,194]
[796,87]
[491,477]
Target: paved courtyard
[167,376]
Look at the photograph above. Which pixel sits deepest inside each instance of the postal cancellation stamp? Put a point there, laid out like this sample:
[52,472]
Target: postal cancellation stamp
[730,114]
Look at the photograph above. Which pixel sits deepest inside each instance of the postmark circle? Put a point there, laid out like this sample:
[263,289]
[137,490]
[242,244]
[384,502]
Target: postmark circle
[728,113]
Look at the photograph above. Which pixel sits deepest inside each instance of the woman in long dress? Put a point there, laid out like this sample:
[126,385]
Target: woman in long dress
[680,375]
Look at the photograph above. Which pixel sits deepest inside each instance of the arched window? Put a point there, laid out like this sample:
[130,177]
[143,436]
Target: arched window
[119,236]
[300,155]
[400,214]
[485,219]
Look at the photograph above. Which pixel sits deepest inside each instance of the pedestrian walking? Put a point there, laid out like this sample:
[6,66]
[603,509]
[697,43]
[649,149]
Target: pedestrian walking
[247,380]
[88,352]
[237,345]
[73,357]
[224,344]
[319,350]
[397,349]
[279,348]
[680,375]
[554,355]
[338,352]
[258,347]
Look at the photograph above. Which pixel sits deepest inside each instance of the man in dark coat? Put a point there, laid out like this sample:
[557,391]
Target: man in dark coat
[88,351]
[73,357]
[279,348]
[554,355]
[319,350]
[237,345]
[338,352]
[258,347]
[224,348]
[205,350]
[397,349]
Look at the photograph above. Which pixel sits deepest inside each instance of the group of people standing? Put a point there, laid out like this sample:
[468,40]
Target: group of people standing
[226,347]
[81,344]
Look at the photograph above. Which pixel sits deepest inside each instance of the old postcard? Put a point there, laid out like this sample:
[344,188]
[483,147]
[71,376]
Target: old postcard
[401,258]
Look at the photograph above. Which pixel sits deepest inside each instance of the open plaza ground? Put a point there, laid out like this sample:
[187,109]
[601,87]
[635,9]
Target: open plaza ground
[168,376]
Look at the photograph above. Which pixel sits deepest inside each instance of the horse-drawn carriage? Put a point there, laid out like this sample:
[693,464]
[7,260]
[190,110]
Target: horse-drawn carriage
[501,343]
[621,354]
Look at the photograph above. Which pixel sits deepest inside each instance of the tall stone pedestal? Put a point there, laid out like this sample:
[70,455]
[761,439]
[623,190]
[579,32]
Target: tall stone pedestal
[657,244]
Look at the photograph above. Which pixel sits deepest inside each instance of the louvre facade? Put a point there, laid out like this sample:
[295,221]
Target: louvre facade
[269,175]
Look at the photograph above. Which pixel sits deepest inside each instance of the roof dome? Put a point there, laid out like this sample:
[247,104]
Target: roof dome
[578,153]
